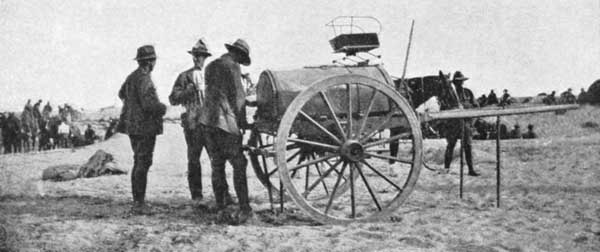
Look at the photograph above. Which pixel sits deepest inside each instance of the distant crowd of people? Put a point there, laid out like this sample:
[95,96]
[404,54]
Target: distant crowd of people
[34,129]
[487,130]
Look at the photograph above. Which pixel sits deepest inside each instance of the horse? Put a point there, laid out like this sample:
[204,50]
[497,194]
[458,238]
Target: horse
[421,89]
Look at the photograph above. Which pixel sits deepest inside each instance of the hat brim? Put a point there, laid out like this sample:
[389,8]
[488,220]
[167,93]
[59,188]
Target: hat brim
[207,54]
[460,79]
[245,57]
[145,57]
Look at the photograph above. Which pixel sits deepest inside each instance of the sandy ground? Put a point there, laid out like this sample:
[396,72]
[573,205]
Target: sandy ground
[550,202]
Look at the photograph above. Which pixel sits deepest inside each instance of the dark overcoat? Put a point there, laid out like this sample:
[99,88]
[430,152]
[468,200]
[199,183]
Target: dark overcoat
[225,96]
[142,110]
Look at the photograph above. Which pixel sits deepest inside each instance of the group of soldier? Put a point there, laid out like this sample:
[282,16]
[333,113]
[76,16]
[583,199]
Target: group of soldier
[492,99]
[34,129]
[215,118]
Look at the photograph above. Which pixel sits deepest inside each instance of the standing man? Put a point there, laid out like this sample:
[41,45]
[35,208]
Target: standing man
[46,111]
[142,114]
[492,99]
[454,128]
[224,121]
[189,91]
[505,101]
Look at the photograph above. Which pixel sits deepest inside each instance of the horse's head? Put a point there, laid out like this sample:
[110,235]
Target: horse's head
[423,88]
[447,95]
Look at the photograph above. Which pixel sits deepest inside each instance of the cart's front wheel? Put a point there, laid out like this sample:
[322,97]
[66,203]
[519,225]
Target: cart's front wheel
[345,121]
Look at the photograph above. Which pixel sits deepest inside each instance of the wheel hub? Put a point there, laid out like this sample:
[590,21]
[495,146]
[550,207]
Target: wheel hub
[352,150]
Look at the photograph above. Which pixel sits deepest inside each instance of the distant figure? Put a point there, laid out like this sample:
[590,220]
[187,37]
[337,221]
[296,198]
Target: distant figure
[37,114]
[505,100]
[482,100]
[483,129]
[10,131]
[529,134]
[492,99]
[28,105]
[567,97]
[46,111]
[63,135]
[581,97]
[503,131]
[89,135]
[516,132]
[550,99]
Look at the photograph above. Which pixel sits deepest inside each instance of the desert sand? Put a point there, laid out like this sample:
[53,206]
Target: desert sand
[550,201]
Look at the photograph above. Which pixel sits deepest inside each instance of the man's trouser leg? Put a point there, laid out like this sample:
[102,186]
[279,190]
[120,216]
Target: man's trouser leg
[239,163]
[449,151]
[468,147]
[215,147]
[195,143]
[143,148]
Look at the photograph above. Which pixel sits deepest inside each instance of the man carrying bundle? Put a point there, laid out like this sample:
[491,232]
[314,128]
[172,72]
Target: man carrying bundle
[189,91]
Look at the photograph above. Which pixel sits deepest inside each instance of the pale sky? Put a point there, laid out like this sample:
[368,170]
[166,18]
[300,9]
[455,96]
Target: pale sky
[81,51]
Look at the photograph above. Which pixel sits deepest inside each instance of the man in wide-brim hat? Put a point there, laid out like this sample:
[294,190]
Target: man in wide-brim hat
[224,120]
[454,130]
[141,119]
[189,91]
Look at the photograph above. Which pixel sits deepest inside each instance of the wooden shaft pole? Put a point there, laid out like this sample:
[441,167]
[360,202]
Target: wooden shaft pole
[412,25]
[475,113]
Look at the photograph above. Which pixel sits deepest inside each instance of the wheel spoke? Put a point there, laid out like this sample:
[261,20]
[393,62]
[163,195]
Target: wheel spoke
[386,140]
[331,135]
[318,160]
[388,158]
[293,156]
[321,175]
[349,116]
[313,143]
[332,111]
[320,179]
[379,128]
[368,187]
[335,187]
[381,175]
[366,116]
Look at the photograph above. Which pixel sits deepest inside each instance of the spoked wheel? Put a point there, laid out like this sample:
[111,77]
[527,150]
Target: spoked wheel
[267,173]
[346,119]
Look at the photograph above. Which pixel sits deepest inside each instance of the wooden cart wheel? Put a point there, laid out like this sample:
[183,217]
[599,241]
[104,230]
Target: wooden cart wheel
[266,170]
[348,113]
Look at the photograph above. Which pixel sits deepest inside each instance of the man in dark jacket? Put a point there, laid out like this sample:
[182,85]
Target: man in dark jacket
[224,119]
[189,91]
[142,121]
[492,99]
[454,128]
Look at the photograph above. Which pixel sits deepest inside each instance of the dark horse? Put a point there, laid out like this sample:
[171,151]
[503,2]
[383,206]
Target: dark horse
[422,89]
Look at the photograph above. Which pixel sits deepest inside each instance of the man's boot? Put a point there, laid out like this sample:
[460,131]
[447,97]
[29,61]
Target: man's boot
[469,158]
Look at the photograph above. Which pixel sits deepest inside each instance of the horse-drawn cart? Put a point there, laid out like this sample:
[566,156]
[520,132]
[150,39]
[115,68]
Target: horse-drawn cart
[323,134]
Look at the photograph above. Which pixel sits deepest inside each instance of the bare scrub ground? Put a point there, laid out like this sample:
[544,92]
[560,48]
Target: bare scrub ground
[550,202]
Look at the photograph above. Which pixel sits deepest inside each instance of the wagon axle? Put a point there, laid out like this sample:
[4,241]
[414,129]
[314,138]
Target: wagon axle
[352,150]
